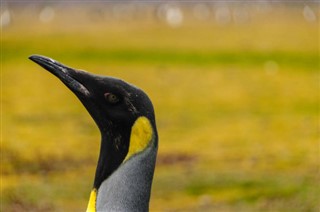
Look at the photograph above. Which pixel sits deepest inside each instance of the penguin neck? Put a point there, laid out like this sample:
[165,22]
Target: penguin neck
[129,187]
[113,150]
[125,172]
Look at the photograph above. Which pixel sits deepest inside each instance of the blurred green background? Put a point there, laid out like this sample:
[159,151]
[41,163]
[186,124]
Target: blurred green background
[235,87]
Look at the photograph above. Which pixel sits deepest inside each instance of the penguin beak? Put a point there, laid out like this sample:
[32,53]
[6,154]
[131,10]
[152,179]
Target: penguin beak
[69,76]
[81,83]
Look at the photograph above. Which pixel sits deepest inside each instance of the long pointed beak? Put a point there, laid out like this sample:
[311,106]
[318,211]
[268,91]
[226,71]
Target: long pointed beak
[66,74]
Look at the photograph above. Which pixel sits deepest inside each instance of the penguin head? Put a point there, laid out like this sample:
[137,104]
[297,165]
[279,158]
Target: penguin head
[110,101]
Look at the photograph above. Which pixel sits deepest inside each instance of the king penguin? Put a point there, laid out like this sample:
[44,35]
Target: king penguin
[129,141]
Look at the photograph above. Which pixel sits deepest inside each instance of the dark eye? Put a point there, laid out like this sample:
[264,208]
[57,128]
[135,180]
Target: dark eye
[111,98]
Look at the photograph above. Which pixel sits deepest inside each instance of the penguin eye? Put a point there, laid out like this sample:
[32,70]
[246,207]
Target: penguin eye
[111,98]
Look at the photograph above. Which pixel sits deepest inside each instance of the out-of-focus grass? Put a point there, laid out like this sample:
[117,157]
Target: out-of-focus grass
[236,105]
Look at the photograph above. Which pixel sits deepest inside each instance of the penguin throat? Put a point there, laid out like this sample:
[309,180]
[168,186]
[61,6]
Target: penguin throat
[113,150]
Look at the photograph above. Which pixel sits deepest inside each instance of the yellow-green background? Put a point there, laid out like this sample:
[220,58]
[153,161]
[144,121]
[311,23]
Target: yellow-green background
[237,105]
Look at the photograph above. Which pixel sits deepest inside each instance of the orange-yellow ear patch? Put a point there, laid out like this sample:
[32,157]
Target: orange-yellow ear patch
[141,134]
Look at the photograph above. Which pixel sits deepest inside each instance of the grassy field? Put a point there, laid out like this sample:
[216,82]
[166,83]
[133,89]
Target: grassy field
[237,108]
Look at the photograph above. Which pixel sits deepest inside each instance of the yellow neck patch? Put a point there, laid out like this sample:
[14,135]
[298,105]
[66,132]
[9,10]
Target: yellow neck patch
[141,134]
[92,201]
